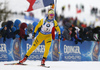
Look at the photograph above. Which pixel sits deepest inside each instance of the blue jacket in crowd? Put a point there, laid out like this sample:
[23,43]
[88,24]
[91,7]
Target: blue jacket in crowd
[61,29]
[16,26]
[34,25]
[10,30]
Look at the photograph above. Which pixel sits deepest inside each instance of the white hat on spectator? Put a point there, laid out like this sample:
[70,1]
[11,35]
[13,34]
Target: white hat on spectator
[77,29]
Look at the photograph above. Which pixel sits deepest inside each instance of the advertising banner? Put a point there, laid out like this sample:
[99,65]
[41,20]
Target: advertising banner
[4,50]
[59,51]
[96,51]
[10,50]
[16,49]
[38,53]
[69,51]
[55,51]
[86,51]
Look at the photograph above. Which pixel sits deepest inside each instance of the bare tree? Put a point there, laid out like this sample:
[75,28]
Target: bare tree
[4,12]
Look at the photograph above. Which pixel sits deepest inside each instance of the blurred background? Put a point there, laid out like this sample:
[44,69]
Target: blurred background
[83,15]
[86,11]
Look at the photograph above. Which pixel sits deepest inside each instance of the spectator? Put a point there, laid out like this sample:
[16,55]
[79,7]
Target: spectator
[17,24]
[88,34]
[3,33]
[34,25]
[29,31]
[10,30]
[68,6]
[61,30]
[65,21]
[96,33]
[75,22]
[75,35]
[67,31]
[0,24]
[22,31]
[81,34]
[4,24]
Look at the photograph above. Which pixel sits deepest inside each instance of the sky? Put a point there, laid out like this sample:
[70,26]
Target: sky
[22,5]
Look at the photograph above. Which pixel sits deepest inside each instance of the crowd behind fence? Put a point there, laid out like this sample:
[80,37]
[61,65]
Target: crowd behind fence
[71,29]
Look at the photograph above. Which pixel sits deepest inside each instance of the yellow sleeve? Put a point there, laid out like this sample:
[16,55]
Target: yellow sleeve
[57,27]
[39,25]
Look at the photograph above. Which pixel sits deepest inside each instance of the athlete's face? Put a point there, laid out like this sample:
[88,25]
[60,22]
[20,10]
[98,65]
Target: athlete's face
[50,16]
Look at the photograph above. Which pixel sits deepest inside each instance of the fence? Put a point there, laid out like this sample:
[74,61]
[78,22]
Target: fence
[68,51]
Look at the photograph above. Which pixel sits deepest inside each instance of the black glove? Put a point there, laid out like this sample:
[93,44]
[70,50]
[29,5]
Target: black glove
[4,39]
[39,29]
[98,40]
[76,42]
[16,32]
[34,35]
[0,35]
[59,36]
[20,38]
[80,41]
[14,37]
[3,32]
[25,37]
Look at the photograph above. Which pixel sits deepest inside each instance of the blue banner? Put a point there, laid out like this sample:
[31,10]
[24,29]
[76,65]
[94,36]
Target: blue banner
[38,53]
[86,51]
[69,51]
[10,50]
[55,51]
[95,52]
[3,50]
[16,49]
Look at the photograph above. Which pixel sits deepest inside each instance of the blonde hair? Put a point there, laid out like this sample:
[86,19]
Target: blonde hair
[50,11]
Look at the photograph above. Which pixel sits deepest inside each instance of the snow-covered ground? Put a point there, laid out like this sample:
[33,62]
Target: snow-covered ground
[54,65]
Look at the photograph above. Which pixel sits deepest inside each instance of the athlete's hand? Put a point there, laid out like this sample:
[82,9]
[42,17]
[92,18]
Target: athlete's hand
[33,35]
[25,37]
[59,36]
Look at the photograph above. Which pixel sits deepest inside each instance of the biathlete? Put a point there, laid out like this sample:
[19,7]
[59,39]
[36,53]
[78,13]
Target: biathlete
[45,34]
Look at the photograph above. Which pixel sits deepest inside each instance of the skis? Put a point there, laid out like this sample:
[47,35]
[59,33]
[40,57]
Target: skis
[26,64]
[14,64]
[44,66]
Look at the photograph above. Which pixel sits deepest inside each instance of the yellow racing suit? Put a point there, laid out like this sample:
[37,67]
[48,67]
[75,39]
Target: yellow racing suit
[44,34]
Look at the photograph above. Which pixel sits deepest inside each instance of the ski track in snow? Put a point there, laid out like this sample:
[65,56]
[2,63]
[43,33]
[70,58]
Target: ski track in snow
[54,65]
